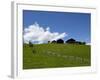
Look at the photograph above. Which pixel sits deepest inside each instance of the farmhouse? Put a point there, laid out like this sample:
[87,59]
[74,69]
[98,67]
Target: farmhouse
[73,41]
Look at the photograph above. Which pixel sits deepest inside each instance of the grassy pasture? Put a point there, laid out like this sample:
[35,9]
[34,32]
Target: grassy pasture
[55,55]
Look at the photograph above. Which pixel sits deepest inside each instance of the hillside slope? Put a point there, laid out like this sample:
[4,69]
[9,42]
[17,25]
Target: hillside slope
[55,55]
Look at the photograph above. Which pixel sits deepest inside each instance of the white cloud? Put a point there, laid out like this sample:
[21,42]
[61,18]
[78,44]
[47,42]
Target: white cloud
[88,43]
[38,34]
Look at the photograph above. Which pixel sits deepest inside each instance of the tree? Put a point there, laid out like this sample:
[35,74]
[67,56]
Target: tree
[71,40]
[48,41]
[30,44]
[78,42]
[83,43]
[60,41]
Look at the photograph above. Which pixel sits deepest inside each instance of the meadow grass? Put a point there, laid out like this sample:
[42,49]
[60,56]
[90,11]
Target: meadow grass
[56,55]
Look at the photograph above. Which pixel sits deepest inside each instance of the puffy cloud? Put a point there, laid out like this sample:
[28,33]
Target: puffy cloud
[37,34]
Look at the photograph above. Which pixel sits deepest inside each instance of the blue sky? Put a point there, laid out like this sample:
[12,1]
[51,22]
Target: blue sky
[76,25]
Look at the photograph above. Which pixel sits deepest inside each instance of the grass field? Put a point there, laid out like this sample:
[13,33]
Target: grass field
[56,55]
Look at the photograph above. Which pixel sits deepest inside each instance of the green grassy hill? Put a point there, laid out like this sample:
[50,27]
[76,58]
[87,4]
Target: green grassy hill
[55,55]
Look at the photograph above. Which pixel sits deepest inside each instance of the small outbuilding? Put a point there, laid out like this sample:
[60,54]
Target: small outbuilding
[71,40]
[60,41]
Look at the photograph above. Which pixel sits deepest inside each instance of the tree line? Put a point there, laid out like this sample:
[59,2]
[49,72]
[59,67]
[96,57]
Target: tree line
[61,41]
